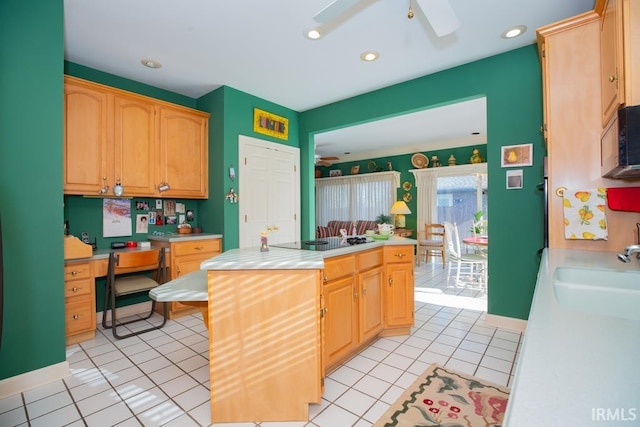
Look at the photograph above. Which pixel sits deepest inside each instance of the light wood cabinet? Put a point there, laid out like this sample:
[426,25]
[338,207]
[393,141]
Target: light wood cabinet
[86,138]
[185,257]
[340,308]
[80,302]
[399,289]
[184,157]
[611,59]
[117,137]
[352,295]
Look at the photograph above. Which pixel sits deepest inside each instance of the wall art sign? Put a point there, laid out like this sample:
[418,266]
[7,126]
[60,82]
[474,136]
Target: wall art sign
[517,155]
[270,124]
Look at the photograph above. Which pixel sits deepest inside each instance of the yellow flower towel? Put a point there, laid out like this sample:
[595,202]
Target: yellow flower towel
[584,214]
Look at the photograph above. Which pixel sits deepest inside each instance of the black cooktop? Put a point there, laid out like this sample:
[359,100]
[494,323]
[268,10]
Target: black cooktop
[322,244]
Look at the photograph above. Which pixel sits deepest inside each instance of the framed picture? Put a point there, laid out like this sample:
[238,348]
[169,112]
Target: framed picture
[517,155]
[335,172]
[270,124]
[514,179]
[355,169]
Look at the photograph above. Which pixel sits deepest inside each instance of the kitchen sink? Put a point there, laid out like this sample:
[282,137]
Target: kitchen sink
[605,292]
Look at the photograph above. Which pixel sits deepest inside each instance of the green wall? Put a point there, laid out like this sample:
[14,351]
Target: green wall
[402,163]
[31,94]
[512,84]
[232,112]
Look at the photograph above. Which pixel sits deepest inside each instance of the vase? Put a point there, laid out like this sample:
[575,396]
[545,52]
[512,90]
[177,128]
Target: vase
[264,247]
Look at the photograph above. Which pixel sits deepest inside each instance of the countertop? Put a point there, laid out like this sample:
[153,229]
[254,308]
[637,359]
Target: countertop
[168,237]
[280,258]
[575,365]
[175,237]
[193,286]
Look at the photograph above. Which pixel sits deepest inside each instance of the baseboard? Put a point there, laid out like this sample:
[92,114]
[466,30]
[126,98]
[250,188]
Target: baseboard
[32,379]
[511,323]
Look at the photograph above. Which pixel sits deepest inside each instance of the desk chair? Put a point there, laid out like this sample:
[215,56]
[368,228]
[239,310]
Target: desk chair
[121,282]
[431,242]
[474,264]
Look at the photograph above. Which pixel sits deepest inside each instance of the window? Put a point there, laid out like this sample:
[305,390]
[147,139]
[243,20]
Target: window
[356,197]
[467,195]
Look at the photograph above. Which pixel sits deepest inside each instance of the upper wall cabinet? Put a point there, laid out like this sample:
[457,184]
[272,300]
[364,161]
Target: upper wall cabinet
[619,44]
[115,137]
[183,153]
[611,59]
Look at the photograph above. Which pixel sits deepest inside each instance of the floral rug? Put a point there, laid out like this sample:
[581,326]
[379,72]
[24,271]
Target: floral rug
[442,397]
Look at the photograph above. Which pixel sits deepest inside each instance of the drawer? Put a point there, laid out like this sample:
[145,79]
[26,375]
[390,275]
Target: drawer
[74,288]
[399,253]
[79,317]
[369,259]
[195,247]
[77,271]
[335,268]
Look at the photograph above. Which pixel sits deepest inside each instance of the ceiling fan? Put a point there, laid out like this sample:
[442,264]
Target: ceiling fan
[325,161]
[439,13]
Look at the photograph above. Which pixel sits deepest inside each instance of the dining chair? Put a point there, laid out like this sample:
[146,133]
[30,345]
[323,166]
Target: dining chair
[473,265]
[128,274]
[431,242]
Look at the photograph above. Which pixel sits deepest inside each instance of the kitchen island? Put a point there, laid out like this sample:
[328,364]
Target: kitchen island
[576,367]
[269,317]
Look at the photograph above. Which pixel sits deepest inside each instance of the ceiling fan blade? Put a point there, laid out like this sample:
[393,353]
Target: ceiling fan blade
[440,15]
[334,10]
[330,158]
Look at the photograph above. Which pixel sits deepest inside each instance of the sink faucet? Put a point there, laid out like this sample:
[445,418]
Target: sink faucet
[629,250]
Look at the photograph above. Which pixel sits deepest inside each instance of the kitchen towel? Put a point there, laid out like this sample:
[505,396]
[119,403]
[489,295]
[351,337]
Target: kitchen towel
[624,199]
[584,214]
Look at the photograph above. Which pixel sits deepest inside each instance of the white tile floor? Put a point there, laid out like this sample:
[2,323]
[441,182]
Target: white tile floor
[161,378]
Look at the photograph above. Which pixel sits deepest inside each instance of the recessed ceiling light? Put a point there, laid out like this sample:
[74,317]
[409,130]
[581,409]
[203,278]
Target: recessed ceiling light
[512,32]
[369,56]
[314,34]
[151,63]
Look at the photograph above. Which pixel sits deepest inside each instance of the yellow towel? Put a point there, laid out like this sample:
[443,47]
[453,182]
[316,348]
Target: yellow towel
[584,214]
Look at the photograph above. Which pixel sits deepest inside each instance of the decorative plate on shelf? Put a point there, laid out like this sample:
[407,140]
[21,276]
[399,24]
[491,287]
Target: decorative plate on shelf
[406,186]
[407,197]
[419,160]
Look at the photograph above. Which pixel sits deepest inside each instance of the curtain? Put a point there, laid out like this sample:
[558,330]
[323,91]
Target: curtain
[427,196]
[355,197]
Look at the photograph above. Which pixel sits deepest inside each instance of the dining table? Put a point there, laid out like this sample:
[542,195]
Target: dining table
[476,240]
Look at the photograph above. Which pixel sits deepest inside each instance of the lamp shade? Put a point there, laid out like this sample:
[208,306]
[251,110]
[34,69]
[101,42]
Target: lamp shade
[399,207]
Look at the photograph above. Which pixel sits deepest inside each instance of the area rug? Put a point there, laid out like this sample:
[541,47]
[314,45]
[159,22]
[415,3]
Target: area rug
[442,397]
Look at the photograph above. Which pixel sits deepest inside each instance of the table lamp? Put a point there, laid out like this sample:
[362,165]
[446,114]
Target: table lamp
[399,210]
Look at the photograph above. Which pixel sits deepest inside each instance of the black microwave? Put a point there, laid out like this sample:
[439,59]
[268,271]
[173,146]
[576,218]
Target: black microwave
[620,149]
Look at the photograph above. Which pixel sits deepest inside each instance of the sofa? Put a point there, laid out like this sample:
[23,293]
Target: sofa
[333,228]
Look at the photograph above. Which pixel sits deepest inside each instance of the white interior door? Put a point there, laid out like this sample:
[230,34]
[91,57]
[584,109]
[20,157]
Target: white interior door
[269,191]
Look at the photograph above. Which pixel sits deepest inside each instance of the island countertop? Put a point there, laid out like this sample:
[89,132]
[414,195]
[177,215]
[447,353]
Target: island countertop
[285,259]
[575,366]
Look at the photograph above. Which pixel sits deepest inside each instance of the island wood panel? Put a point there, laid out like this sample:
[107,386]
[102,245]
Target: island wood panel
[264,344]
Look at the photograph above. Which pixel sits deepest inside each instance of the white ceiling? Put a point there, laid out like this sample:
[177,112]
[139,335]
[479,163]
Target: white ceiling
[259,47]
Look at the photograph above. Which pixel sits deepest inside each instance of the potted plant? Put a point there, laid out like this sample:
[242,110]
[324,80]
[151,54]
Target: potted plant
[477,227]
[383,219]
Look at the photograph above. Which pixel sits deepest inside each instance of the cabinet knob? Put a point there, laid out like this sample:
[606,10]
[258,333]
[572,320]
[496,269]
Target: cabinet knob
[325,279]
[178,270]
[199,248]
[390,281]
[364,290]
[612,79]
[75,289]
[401,255]
[74,273]
[76,317]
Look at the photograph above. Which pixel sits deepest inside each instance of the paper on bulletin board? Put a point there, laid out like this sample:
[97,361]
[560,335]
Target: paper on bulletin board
[116,217]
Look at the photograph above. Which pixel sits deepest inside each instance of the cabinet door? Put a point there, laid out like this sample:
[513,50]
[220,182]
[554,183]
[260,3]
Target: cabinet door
[370,286]
[135,145]
[183,153]
[341,334]
[399,298]
[86,117]
[612,80]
